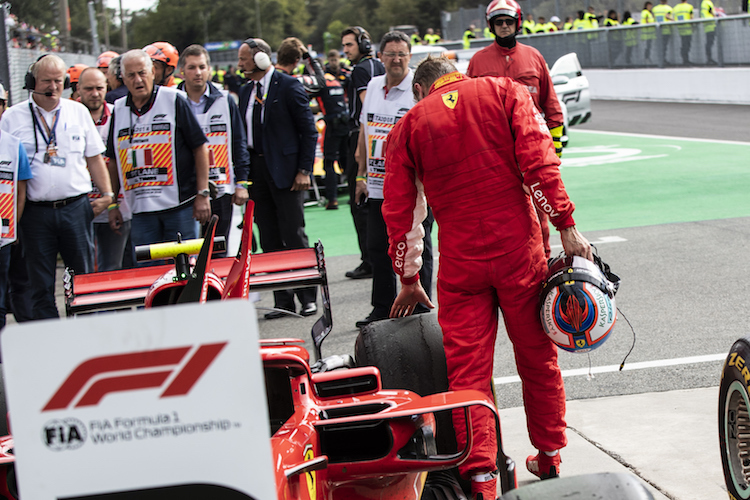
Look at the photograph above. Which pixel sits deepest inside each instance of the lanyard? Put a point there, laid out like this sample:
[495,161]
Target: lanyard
[262,101]
[132,127]
[50,138]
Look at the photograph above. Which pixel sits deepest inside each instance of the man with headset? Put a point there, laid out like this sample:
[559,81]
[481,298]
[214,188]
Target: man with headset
[358,49]
[65,149]
[281,137]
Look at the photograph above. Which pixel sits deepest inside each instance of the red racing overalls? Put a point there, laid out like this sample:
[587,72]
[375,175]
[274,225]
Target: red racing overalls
[473,147]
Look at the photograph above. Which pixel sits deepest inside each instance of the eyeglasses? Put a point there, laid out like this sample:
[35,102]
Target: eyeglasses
[393,55]
[508,21]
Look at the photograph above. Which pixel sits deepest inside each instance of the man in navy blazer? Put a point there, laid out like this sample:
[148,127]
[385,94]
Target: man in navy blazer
[281,138]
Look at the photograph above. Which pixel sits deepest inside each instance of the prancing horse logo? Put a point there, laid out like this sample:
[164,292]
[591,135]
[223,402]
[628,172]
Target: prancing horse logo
[450,99]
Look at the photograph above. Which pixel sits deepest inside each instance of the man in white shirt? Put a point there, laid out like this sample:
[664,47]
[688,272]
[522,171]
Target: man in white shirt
[64,149]
[389,97]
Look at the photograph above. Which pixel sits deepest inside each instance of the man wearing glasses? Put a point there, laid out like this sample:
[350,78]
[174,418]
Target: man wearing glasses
[524,64]
[389,97]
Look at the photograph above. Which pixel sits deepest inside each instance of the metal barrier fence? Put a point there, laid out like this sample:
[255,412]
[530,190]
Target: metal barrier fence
[724,42]
[721,41]
[21,59]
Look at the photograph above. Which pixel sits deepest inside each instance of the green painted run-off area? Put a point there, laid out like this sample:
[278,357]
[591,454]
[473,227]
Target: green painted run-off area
[616,181]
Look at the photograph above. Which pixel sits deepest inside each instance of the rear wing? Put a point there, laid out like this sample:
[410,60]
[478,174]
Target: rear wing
[126,289]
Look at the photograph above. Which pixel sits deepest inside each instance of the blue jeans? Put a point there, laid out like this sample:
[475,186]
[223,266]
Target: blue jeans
[48,231]
[159,227]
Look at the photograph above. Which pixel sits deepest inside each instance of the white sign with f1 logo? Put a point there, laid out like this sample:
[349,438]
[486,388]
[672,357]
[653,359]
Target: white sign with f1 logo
[161,403]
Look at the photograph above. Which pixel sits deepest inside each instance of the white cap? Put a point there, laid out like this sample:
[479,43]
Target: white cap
[555,19]
[3,93]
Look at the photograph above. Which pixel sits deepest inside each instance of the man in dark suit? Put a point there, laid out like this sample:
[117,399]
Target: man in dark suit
[281,138]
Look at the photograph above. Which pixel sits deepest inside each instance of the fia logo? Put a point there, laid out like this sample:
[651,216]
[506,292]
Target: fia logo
[64,434]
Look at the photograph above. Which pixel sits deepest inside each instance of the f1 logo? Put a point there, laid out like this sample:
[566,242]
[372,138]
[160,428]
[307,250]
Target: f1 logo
[178,368]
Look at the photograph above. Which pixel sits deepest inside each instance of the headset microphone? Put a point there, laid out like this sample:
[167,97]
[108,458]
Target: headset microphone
[48,94]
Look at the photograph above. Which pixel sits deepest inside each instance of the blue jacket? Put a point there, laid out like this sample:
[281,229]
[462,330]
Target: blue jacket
[289,133]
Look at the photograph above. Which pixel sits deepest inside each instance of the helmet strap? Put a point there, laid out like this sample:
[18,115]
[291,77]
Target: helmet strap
[507,42]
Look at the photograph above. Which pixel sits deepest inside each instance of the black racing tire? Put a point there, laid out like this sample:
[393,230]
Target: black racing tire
[734,420]
[407,351]
[409,354]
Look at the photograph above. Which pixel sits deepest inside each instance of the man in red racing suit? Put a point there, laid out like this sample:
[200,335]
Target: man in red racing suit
[481,153]
[525,65]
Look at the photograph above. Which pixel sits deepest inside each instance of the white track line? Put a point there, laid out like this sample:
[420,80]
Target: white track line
[667,137]
[659,363]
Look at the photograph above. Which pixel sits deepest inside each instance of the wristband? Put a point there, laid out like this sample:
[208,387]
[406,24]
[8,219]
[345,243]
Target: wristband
[110,194]
[361,178]
[113,206]
[244,184]
[411,280]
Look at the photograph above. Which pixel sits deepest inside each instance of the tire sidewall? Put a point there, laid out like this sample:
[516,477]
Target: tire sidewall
[733,388]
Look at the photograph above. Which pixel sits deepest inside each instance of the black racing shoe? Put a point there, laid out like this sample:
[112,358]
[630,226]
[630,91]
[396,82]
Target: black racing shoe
[361,272]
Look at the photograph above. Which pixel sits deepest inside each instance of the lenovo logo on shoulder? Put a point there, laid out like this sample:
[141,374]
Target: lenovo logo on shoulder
[175,369]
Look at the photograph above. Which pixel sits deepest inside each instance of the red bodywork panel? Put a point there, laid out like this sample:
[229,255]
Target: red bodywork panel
[397,415]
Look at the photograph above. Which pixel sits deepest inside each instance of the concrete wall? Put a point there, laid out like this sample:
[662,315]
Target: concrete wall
[718,85]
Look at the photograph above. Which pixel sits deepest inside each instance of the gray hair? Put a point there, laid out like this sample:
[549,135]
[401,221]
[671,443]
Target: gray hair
[50,61]
[114,68]
[135,54]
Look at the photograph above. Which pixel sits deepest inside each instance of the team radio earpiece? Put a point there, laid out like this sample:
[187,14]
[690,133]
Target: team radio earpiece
[261,59]
[363,41]
[29,82]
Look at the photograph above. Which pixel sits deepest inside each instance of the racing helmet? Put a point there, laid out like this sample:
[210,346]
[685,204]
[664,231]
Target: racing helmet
[578,309]
[504,8]
[164,52]
[75,72]
[104,58]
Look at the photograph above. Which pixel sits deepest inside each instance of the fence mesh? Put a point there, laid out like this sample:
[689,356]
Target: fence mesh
[721,41]
[21,59]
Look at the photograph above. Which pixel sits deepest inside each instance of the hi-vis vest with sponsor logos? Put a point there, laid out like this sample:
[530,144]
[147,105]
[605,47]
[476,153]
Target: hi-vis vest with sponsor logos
[381,113]
[9,146]
[216,125]
[146,158]
[103,218]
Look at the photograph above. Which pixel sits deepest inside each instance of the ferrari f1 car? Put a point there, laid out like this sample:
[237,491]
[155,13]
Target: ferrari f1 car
[337,433]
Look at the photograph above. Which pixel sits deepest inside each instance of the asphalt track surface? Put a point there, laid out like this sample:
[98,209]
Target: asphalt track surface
[684,289]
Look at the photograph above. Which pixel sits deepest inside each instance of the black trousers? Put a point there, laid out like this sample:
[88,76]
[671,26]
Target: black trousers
[222,207]
[359,212]
[280,216]
[335,147]
[383,276]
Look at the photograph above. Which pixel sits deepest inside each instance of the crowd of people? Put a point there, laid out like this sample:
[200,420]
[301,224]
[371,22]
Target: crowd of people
[153,142]
[23,35]
[590,19]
